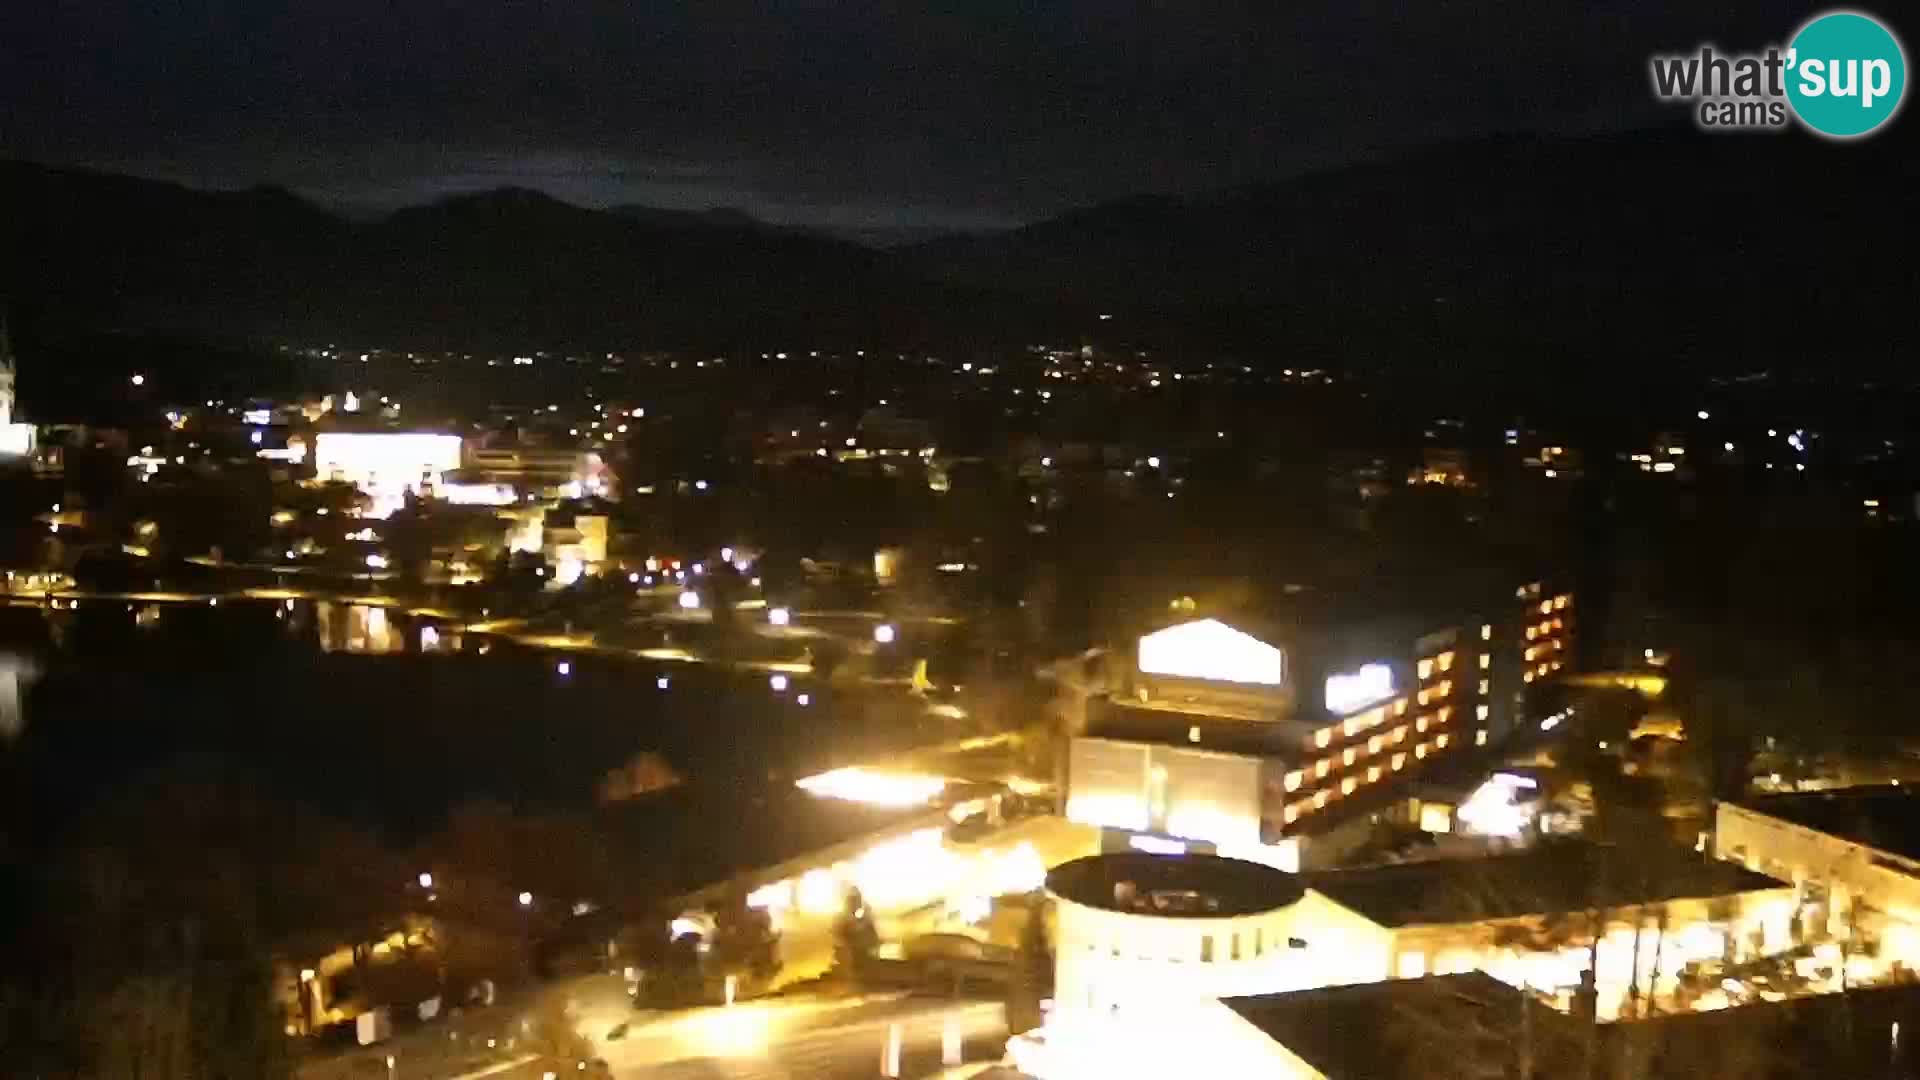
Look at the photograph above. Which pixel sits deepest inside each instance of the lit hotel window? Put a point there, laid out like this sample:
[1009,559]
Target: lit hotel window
[1420,723]
[1486,632]
[1400,707]
[1373,744]
[1480,737]
[1440,743]
[1290,815]
[1319,800]
[1529,654]
[1347,786]
[1528,677]
[1546,607]
[1373,773]
[1399,760]
[1532,632]
[1485,688]
[1446,713]
[1560,601]
[1446,661]
[1420,751]
[1322,737]
[1399,734]
[1293,780]
[1425,668]
[1485,661]
[1347,758]
[1480,713]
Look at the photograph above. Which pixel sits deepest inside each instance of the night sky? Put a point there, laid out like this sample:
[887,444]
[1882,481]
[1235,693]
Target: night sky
[964,114]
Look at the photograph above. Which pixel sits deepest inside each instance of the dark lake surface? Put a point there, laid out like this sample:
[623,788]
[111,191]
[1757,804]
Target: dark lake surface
[389,721]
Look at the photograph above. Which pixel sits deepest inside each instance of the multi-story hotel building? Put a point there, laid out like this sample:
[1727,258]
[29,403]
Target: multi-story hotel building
[1263,739]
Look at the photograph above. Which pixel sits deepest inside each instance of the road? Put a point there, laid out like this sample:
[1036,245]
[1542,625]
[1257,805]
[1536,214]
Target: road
[806,1040]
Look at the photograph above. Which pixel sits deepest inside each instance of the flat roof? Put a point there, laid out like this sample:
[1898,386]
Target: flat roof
[1367,1032]
[1554,877]
[1228,733]
[1197,886]
[1882,816]
[1393,1030]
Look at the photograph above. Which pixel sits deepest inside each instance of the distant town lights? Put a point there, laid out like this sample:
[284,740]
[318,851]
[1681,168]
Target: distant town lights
[689,600]
[1704,415]
[139,380]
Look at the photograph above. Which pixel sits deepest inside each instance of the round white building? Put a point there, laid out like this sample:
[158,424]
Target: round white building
[1135,928]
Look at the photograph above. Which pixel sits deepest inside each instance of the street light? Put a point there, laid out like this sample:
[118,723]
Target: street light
[689,600]
[779,616]
[526,899]
[426,880]
[884,634]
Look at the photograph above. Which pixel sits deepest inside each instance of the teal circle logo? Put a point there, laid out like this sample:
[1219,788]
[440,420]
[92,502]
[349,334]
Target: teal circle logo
[1846,74]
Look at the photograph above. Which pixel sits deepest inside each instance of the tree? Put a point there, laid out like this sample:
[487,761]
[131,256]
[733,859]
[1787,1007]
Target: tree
[1032,970]
[745,944]
[855,938]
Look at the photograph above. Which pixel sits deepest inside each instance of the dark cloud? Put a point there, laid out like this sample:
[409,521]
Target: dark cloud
[850,114]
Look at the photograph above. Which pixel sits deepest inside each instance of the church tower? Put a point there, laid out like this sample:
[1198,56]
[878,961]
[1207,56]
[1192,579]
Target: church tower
[6,372]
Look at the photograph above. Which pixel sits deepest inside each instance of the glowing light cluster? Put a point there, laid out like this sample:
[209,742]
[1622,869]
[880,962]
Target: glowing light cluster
[1495,807]
[854,784]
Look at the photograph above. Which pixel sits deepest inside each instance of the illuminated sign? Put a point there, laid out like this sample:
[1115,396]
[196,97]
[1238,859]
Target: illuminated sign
[1352,691]
[1212,650]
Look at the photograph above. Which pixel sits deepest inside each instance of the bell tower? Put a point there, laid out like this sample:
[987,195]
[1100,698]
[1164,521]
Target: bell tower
[6,372]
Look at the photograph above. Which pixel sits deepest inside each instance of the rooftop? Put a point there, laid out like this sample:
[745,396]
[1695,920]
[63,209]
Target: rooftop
[1165,722]
[1886,817]
[1395,1030]
[1173,886]
[1374,1031]
[1554,877]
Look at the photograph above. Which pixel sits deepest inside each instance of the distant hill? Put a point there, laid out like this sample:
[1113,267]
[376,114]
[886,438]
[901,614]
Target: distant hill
[1661,248]
[501,267]
[1507,257]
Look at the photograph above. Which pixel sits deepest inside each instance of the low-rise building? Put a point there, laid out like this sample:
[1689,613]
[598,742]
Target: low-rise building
[1852,853]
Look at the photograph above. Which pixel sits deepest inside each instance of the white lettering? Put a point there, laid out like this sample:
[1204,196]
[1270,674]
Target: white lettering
[1813,77]
[1878,82]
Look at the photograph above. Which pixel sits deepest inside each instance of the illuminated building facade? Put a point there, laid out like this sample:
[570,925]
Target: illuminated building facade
[1853,855]
[387,465]
[537,472]
[1285,751]
[1449,916]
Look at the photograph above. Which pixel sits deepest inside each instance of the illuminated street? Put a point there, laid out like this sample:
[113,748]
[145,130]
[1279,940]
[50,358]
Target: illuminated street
[802,1040]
